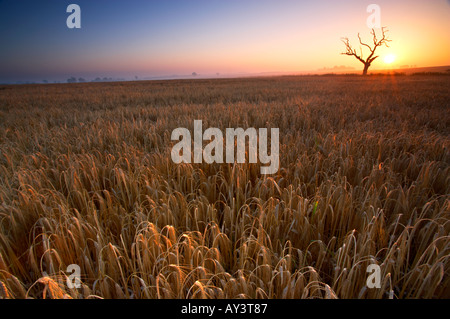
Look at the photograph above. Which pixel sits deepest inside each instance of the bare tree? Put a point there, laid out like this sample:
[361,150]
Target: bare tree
[376,43]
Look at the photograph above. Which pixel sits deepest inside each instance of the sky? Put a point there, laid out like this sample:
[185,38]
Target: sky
[124,39]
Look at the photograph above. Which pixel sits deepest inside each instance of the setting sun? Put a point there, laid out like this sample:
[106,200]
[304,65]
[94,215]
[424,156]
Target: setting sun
[390,58]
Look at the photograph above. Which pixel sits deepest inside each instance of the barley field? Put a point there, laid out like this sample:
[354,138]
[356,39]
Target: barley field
[86,178]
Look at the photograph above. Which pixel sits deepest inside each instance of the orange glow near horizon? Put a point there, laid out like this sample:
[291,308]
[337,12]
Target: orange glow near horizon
[232,37]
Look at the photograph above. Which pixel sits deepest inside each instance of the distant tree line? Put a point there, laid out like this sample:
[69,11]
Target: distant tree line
[80,80]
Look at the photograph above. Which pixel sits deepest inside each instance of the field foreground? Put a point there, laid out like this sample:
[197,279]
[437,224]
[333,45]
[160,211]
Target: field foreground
[86,178]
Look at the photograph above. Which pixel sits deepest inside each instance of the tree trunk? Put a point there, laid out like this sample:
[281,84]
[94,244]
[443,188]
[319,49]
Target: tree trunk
[366,68]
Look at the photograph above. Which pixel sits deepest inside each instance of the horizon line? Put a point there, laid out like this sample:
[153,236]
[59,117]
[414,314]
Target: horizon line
[199,76]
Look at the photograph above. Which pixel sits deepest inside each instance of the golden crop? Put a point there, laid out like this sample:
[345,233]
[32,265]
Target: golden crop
[86,178]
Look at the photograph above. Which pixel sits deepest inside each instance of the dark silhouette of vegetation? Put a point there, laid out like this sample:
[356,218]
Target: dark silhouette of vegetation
[72,80]
[431,73]
[376,43]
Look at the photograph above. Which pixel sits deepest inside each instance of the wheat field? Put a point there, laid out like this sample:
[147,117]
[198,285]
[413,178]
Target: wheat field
[86,178]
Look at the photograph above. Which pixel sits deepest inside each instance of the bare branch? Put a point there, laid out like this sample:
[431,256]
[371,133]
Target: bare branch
[362,43]
[376,43]
[350,51]
[372,59]
[384,40]
[374,37]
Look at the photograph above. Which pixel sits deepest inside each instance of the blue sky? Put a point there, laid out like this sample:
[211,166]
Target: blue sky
[152,38]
